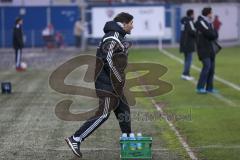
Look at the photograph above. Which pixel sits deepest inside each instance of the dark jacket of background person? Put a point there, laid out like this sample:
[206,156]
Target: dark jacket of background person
[111,77]
[188,35]
[18,37]
[206,35]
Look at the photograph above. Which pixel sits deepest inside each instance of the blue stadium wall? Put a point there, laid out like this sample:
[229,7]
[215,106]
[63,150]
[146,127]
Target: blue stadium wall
[35,20]
[63,18]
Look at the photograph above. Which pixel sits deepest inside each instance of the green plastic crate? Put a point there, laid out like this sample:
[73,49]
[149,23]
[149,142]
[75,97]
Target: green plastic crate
[144,153]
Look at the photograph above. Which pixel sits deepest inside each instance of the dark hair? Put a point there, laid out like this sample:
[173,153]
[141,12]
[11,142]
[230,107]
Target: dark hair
[206,11]
[123,17]
[189,12]
[18,19]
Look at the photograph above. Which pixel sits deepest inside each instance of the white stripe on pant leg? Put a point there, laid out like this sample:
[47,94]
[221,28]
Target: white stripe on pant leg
[18,58]
[105,113]
[91,127]
[98,121]
[103,116]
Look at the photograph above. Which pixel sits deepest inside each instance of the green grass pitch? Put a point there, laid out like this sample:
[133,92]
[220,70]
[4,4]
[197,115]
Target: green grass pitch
[29,128]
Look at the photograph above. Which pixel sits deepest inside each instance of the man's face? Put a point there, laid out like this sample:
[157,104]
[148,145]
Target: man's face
[20,22]
[128,27]
[192,16]
[210,16]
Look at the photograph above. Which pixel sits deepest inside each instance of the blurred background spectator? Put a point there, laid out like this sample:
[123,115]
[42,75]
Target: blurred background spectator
[78,31]
[64,16]
[48,36]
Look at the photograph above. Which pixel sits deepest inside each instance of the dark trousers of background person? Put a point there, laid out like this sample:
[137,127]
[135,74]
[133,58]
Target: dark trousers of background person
[18,57]
[187,63]
[78,40]
[106,105]
[207,74]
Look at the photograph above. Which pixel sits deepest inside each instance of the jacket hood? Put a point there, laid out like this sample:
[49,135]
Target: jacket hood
[200,18]
[206,19]
[203,18]
[113,26]
[184,20]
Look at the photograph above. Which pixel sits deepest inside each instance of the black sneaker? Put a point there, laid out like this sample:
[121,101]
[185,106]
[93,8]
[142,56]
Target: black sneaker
[74,146]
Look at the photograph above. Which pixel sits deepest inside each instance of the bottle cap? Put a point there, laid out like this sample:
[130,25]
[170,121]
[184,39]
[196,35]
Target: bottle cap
[131,135]
[139,134]
[124,135]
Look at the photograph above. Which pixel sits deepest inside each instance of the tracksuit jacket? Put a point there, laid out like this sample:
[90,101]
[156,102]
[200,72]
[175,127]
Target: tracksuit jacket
[111,77]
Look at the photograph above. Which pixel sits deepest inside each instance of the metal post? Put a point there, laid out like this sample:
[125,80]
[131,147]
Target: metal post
[82,6]
[173,24]
[238,23]
[48,15]
[3,26]
[33,38]
[49,12]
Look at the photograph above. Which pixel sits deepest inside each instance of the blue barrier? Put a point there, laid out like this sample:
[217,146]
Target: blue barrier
[63,19]
[35,20]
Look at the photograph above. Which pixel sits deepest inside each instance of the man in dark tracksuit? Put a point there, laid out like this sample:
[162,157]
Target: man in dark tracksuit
[18,43]
[109,81]
[187,42]
[206,35]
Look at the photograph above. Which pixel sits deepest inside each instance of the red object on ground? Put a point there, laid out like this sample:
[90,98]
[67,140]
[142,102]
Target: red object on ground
[20,69]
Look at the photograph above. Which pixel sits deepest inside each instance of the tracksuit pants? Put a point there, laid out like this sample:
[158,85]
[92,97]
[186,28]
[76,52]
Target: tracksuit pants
[18,57]
[187,63]
[78,41]
[106,105]
[207,74]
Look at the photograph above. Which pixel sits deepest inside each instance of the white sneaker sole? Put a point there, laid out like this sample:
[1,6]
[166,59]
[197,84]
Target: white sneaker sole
[71,147]
[187,78]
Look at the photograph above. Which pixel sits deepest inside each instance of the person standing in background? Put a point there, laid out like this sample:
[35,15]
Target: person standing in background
[187,42]
[206,36]
[18,43]
[217,23]
[78,31]
[48,36]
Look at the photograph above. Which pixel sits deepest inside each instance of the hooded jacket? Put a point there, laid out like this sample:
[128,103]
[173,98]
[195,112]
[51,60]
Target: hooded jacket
[109,76]
[206,36]
[188,35]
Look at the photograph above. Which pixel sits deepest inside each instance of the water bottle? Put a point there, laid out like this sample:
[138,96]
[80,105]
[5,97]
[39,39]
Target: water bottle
[123,138]
[139,144]
[132,143]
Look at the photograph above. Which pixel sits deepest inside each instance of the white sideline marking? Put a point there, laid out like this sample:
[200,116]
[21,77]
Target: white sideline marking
[219,146]
[230,84]
[99,149]
[65,148]
[217,95]
[220,97]
[182,141]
